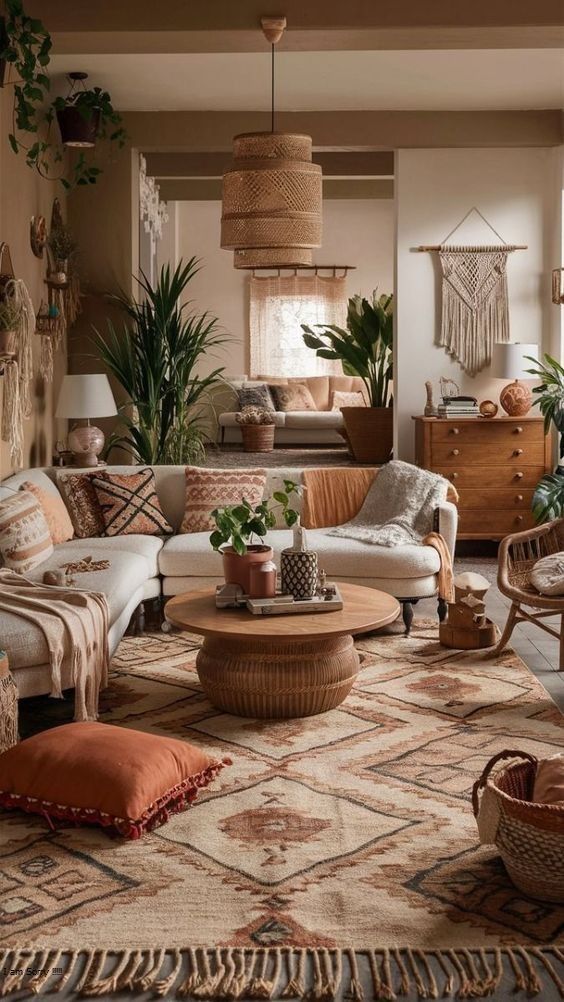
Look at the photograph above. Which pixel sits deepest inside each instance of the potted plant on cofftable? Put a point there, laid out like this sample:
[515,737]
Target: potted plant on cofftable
[237,525]
[365,350]
[548,499]
[257,429]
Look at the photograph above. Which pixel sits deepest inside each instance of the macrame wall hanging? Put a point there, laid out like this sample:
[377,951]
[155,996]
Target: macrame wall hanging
[475,308]
[18,359]
[63,293]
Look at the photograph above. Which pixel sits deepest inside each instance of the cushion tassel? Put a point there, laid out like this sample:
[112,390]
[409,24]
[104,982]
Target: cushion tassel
[477,983]
[433,992]
[295,988]
[93,965]
[405,983]
[70,959]
[12,981]
[421,989]
[464,987]
[382,992]
[520,981]
[109,984]
[162,987]
[334,971]
[193,979]
[35,984]
[207,987]
[239,978]
[388,984]
[224,988]
[127,979]
[448,987]
[547,964]
[533,984]
[259,987]
[145,980]
[356,990]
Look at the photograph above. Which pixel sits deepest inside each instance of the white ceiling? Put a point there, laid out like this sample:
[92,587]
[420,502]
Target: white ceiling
[503,79]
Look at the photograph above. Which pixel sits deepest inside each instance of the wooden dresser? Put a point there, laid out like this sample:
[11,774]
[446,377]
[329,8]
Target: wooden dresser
[495,465]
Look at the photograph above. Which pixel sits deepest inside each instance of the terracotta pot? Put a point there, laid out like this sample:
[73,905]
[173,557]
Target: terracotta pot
[7,344]
[237,569]
[78,129]
[370,432]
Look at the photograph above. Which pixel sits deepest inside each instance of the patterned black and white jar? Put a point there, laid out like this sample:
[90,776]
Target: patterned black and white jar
[298,569]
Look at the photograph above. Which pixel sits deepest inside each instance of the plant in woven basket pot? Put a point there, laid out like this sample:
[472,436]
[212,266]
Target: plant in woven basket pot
[10,315]
[548,499]
[238,525]
[365,350]
[257,429]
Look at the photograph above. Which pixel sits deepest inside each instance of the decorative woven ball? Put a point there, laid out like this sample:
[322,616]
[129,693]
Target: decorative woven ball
[516,399]
[298,570]
[488,408]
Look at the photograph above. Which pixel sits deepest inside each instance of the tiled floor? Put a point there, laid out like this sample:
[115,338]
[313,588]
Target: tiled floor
[538,650]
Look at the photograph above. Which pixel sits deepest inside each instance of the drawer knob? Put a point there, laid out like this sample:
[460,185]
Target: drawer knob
[518,430]
[517,452]
[518,497]
[455,431]
[453,476]
[456,452]
[519,518]
[519,476]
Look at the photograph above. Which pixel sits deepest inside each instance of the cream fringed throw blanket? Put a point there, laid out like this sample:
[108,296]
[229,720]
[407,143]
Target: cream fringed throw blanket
[399,509]
[75,626]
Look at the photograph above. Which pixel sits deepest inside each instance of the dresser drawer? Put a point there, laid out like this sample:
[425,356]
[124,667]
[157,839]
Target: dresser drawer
[492,524]
[486,431]
[501,453]
[491,476]
[488,500]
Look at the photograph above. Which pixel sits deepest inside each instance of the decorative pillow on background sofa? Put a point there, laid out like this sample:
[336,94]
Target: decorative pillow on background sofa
[56,514]
[340,398]
[129,504]
[255,395]
[209,489]
[98,774]
[25,540]
[547,575]
[82,504]
[293,397]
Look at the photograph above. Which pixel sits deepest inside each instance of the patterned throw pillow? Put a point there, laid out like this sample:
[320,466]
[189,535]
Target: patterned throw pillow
[293,397]
[82,504]
[209,489]
[129,504]
[255,395]
[340,398]
[25,540]
[56,515]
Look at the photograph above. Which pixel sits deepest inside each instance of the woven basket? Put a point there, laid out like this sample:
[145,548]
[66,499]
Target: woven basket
[258,437]
[529,836]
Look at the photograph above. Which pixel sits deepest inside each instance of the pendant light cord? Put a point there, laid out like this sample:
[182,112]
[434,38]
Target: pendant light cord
[272,91]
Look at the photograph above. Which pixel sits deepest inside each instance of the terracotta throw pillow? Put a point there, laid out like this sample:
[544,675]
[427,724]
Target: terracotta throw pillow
[98,774]
[549,781]
[209,489]
[25,540]
[129,504]
[82,504]
[340,398]
[56,514]
[293,397]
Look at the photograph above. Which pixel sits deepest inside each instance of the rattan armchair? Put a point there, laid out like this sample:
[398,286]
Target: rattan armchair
[517,554]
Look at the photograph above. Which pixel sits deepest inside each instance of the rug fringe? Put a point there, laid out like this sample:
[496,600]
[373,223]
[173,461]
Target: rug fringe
[308,974]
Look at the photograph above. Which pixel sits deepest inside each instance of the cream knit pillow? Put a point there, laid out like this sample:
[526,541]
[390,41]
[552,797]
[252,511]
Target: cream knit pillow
[25,540]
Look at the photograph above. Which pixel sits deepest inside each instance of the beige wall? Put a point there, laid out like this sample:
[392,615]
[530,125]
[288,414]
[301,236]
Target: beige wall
[24,194]
[355,231]
[517,191]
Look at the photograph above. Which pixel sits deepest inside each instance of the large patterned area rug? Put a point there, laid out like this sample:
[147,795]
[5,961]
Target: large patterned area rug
[338,854]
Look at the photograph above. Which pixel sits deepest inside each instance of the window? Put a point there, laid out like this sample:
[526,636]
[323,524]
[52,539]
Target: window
[278,307]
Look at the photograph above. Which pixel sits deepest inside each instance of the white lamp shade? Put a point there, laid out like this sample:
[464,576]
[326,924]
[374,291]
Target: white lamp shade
[86,396]
[512,360]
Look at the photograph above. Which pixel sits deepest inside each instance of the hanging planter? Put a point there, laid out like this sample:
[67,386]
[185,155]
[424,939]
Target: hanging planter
[78,128]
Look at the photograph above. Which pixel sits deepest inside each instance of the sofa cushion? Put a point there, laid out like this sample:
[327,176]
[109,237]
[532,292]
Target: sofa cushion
[255,395]
[293,397]
[318,386]
[342,398]
[82,503]
[102,547]
[130,504]
[25,540]
[348,384]
[56,514]
[547,575]
[207,489]
[37,476]
[193,555]
[314,419]
[99,774]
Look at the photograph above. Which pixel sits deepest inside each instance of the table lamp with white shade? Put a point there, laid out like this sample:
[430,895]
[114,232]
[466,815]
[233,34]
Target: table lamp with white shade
[513,362]
[83,397]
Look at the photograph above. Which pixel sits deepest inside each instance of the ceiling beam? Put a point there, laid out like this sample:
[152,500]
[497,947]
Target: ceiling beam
[224,26]
[203,165]
[346,131]
[209,189]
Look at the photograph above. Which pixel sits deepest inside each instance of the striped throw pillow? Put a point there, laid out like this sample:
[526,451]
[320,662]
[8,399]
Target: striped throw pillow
[25,540]
[208,489]
[129,504]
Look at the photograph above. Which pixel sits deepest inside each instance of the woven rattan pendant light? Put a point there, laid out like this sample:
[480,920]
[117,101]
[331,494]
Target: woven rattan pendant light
[272,193]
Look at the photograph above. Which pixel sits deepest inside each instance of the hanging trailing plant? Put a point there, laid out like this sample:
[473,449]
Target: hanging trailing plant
[25,46]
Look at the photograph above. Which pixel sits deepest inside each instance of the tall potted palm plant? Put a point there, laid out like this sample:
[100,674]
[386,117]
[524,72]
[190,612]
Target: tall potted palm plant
[365,350]
[548,499]
[155,358]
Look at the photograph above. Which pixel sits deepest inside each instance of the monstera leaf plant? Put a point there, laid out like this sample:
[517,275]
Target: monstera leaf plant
[548,499]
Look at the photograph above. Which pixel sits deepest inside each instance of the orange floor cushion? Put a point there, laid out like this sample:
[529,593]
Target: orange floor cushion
[98,774]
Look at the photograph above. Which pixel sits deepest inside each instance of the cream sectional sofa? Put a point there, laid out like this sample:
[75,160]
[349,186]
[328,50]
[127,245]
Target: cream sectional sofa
[320,427]
[148,567]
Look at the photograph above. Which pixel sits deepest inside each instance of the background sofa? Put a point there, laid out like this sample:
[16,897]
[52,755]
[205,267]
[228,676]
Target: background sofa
[320,427]
[147,567]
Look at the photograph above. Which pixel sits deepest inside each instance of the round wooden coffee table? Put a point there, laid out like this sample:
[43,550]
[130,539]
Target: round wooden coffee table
[280,666]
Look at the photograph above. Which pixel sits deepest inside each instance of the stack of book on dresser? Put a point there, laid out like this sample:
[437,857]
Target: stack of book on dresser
[458,407]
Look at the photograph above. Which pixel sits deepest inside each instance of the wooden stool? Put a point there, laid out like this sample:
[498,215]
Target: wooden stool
[8,706]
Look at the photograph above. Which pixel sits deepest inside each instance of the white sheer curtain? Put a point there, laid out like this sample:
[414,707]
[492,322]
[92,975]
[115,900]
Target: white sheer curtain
[278,307]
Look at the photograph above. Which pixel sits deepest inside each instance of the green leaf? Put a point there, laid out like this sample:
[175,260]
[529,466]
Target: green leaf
[217,539]
[290,517]
[13,142]
[281,497]
[238,545]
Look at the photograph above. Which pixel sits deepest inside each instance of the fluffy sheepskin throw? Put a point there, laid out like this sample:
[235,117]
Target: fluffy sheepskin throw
[399,507]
